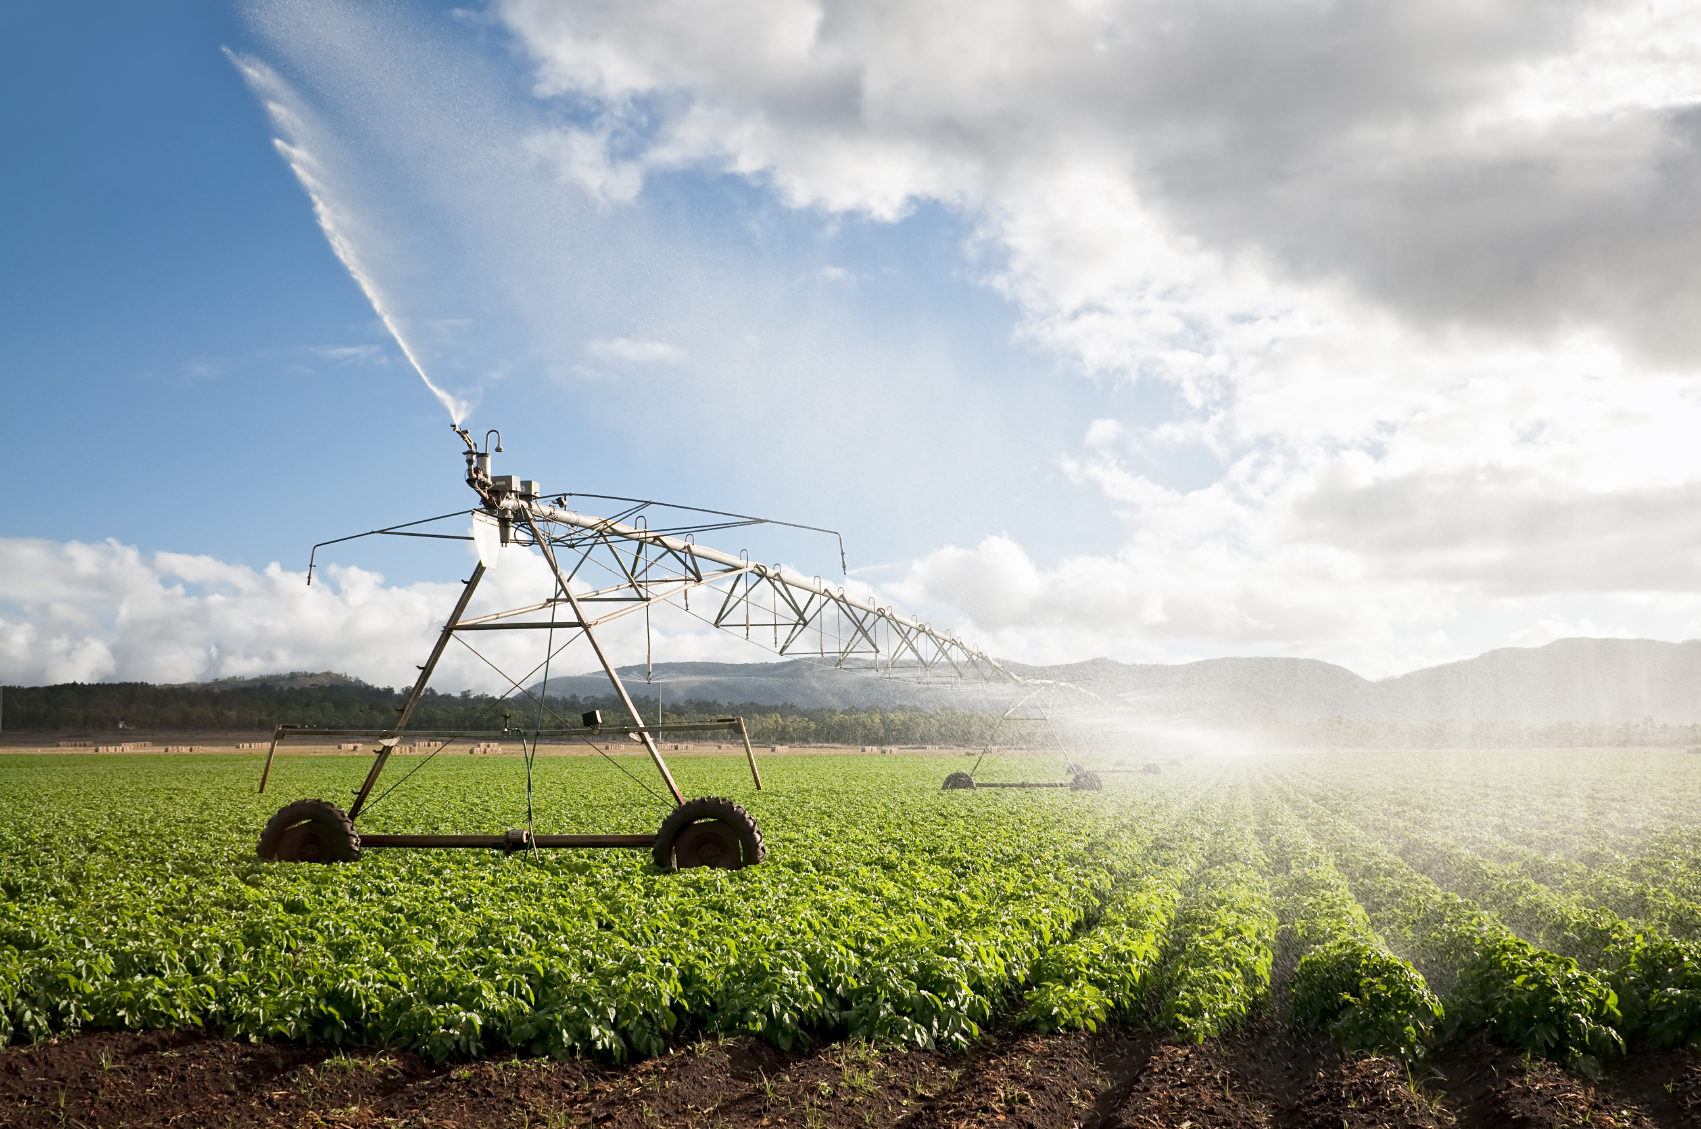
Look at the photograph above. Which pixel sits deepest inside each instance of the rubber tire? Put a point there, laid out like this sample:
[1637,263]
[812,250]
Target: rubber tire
[958,780]
[709,831]
[1086,782]
[310,831]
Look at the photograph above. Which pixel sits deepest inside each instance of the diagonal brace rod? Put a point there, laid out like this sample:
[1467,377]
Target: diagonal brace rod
[619,687]
[388,742]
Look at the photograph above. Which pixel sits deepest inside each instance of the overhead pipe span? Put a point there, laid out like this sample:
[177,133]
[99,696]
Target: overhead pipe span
[542,511]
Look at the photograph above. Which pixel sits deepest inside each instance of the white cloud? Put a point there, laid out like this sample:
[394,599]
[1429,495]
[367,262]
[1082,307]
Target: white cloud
[582,157]
[176,618]
[634,351]
[1549,628]
[369,353]
[1423,279]
[1516,165]
[1103,432]
[1465,514]
[73,612]
[1419,279]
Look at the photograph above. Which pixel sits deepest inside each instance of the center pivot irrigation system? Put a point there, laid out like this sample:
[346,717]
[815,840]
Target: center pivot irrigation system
[601,570]
[1030,724]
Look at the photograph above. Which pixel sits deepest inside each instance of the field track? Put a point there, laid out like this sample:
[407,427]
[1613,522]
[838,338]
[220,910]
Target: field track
[1261,1076]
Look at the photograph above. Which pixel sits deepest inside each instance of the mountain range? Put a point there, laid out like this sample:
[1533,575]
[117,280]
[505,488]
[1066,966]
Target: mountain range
[1584,680]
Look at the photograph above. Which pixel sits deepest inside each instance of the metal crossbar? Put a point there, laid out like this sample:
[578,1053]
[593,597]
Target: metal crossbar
[638,568]
[797,616]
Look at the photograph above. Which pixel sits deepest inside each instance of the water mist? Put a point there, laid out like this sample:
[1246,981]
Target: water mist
[268,88]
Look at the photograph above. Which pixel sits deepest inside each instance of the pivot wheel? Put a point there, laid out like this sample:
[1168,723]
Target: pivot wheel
[958,780]
[310,831]
[709,831]
[1086,782]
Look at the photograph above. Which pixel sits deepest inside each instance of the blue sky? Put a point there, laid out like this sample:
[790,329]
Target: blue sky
[1091,337]
[175,321]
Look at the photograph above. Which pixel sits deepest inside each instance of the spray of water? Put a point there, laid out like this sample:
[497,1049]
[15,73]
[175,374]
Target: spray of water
[301,163]
[331,221]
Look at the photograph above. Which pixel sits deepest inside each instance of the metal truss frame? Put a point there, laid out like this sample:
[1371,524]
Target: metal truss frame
[604,569]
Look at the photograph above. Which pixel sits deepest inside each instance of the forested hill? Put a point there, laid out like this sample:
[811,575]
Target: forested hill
[320,700]
[338,702]
[1569,681]
[1569,692]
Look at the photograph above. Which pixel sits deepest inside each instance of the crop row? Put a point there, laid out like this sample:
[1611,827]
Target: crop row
[1222,941]
[1549,899]
[1184,942]
[1620,813]
[1531,998]
[911,920]
[1357,903]
[1344,978]
[1653,902]
[1109,968]
[1652,975]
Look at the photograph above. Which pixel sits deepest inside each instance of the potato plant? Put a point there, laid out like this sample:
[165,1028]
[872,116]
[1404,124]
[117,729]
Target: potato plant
[888,909]
[1345,979]
[1392,900]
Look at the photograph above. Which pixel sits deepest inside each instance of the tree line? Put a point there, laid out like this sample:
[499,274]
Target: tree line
[118,708]
[100,709]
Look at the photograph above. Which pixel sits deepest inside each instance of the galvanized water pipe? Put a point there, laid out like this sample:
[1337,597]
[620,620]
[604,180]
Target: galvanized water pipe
[545,512]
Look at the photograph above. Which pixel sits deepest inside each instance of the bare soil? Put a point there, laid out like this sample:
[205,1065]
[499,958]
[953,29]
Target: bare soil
[1262,1076]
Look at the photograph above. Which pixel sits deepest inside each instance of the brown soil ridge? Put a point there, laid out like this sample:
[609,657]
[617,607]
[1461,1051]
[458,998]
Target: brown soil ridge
[1115,1079]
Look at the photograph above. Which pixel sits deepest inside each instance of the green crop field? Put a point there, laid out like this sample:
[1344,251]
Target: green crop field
[1394,900]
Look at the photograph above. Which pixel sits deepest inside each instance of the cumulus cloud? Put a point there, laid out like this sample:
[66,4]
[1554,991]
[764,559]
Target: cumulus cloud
[1405,546]
[635,351]
[1420,277]
[83,613]
[1415,283]
[582,157]
[75,612]
[1103,432]
[1516,165]
[1512,531]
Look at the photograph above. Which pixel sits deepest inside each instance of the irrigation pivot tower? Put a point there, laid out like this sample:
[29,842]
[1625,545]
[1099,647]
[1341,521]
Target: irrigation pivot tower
[602,569]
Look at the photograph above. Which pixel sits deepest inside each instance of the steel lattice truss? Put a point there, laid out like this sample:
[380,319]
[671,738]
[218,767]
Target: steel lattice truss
[604,569]
[632,569]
